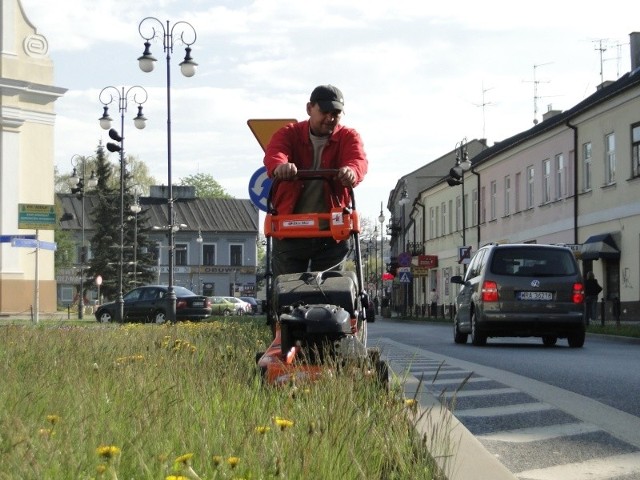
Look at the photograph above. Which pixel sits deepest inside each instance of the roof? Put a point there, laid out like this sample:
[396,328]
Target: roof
[223,215]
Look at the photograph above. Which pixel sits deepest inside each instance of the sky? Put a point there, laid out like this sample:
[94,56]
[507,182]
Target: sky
[418,77]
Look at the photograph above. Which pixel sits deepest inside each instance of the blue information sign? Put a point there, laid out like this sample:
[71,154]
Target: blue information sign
[259,187]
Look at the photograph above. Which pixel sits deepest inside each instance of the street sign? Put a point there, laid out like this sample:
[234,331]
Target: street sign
[259,186]
[37,217]
[263,129]
[24,242]
[9,238]
[404,259]
[404,269]
[405,277]
[33,243]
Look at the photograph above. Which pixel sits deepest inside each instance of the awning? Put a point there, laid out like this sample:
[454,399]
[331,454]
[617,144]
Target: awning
[600,246]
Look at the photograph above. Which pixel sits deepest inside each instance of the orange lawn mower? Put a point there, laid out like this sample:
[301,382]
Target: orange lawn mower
[318,318]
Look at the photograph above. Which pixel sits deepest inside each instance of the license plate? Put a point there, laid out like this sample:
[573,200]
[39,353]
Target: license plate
[198,304]
[535,296]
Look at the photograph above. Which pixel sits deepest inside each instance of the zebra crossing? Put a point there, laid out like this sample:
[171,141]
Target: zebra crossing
[533,439]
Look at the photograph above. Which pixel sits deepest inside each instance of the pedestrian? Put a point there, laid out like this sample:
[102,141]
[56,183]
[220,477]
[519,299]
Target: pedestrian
[433,300]
[376,303]
[320,142]
[591,291]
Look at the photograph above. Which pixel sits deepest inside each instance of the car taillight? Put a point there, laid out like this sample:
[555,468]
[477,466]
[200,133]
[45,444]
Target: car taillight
[180,304]
[207,303]
[578,293]
[489,291]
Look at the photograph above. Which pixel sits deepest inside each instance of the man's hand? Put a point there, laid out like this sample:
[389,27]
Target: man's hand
[285,171]
[346,176]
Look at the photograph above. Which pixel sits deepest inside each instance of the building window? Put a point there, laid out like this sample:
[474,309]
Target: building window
[209,254]
[483,211]
[546,181]
[517,192]
[450,216]
[560,177]
[530,186]
[507,195]
[458,213]
[443,212]
[635,151]
[432,223]
[235,255]
[586,167]
[437,221]
[180,257]
[610,159]
[493,192]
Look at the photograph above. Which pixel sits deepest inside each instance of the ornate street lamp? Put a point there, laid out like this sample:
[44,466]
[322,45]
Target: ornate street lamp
[183,32]
[78,182]
[456,177]
[107,96]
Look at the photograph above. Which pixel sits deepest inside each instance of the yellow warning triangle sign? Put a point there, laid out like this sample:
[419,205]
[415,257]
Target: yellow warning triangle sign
[263,129]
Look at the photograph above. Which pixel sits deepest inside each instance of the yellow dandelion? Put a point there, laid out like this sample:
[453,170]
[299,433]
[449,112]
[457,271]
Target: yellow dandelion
[410,402]
[46,432]
[262,429]
[100,469]
[233,461]
[217,460]
[176,477]
[184,459]
[283,423]
[53,419]
[108,451]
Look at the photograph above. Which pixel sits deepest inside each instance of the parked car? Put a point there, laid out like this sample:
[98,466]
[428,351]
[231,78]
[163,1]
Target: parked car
[151,304]
[222,306]
[242,307]
[253,302]
[521,290]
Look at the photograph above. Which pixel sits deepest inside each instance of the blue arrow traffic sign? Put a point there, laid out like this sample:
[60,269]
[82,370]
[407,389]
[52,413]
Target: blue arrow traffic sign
[259,186]
[33,243]
[9,238]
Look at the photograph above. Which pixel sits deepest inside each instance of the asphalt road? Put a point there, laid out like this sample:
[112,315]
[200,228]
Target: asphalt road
[545,413]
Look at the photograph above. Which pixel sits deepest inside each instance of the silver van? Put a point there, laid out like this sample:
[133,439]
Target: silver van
[521,290]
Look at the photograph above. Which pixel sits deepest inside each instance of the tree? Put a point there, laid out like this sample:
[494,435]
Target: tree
[206,186]
[105,216]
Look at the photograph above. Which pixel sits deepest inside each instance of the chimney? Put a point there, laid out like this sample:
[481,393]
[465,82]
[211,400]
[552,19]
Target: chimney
[634,42]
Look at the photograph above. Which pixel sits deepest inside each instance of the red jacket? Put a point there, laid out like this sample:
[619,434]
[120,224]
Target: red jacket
[292,144]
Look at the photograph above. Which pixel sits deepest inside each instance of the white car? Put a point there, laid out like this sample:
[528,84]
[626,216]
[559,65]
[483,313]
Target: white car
[242,307]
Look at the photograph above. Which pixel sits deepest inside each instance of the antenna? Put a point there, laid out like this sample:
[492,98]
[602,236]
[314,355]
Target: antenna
[601,48]
[535,91]
[483,105]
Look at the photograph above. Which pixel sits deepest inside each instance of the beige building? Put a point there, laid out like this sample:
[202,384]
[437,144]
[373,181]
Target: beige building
[26,159]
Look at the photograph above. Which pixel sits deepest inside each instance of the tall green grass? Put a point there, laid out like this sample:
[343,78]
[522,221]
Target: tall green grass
[156,402]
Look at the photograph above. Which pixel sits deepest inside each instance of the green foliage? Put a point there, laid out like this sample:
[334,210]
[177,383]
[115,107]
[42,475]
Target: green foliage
[149,401]
[206,186]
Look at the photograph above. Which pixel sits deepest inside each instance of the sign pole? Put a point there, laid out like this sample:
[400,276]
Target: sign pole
[36,293]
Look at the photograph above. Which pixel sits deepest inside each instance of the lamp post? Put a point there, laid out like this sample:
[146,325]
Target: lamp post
[155,28]
[135,209]
[381,220]
[375,256]
[456,177]
[199,240]
[107,96]
[78,181]
[404,199]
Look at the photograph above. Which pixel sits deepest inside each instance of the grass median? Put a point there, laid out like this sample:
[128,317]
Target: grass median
[84,400]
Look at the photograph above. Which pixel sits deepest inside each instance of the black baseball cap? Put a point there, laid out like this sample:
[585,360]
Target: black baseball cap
[328,98]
